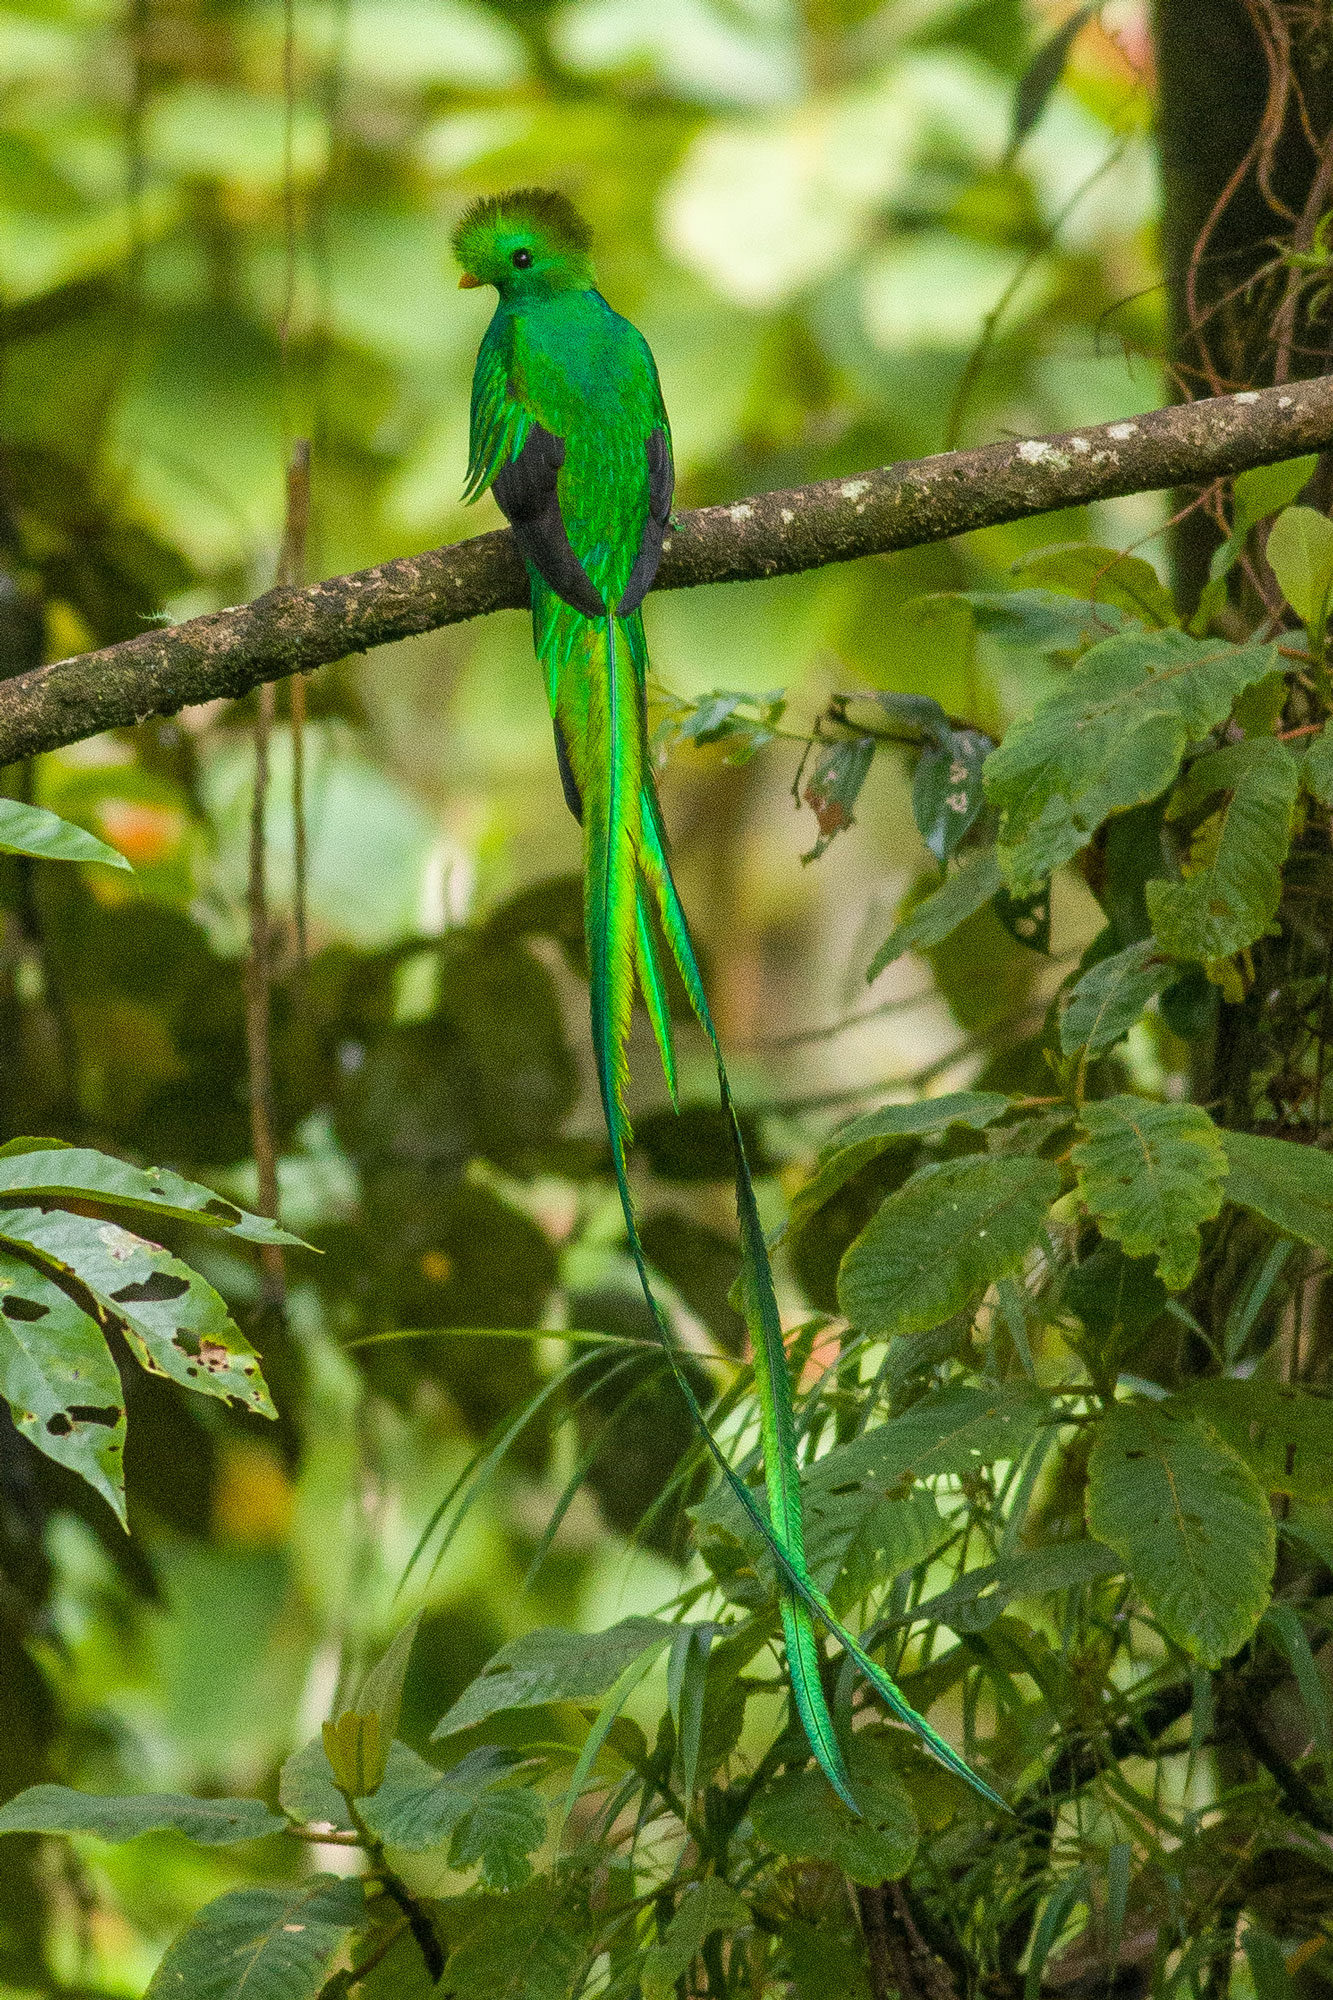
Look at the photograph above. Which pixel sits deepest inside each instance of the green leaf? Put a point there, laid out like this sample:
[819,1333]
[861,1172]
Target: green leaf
[73,1173]
[800,1816]
[1027,918]
[1111,737]
[1101,576]
[1317,768]
[834,785]
[982,1594]
[26,829]
[1233,880]
[503,1828]
[863,1139]
[524,1946]
[1300,555]
[1151,1173]
[61,1384]
[947,792]
[262,1943]
[174,1321]
[1112,995]
[936,1244]
[1256,494]
[552,1665]
[358,1741]
[308,1794]
[863,1518]
[1191,1522]
[1284,1434]
[1290,1186]
[707,1906]
[208,1822]
[1040,79]
[1042,621]
[964,892]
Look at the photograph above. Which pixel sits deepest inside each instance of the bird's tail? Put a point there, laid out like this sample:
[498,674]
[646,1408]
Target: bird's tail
[626,862]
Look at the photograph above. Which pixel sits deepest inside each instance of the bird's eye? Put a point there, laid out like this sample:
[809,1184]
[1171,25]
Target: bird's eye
[522,260]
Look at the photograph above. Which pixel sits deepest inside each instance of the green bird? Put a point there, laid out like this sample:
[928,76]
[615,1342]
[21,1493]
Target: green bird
[570,432]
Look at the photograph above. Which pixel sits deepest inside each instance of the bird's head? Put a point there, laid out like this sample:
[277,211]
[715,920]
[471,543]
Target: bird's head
[526,243]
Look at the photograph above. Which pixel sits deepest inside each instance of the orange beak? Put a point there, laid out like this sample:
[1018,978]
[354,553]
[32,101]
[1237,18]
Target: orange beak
[467,283]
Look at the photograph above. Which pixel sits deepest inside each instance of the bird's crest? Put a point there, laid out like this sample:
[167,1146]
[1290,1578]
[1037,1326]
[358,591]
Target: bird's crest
[540,223]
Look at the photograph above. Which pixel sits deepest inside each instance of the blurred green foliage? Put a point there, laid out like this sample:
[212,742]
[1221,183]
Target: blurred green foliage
[811,210]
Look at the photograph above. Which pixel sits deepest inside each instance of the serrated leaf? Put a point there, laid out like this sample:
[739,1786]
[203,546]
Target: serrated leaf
[959,897]
[1300,555]
[706,1907]
[501,1830]
[947,792]
[26,829]
[208,1822]
[1111,737]
[59,1380]
[262,1943]
[74,1173]
[935,1245]
[1112,995]
[524,1946]
[1284,1434]
[174,1321]
[1151,1173]
[552,1665]
[1233,879]
[1191,1523]
[1101,576]
[863,1139]
[801,1817]
[1290,1186]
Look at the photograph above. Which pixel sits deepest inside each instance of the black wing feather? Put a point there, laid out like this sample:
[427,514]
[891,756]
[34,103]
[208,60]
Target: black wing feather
[526,491]
[661,485]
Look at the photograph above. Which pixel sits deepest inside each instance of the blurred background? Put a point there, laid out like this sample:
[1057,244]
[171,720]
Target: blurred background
[224,226]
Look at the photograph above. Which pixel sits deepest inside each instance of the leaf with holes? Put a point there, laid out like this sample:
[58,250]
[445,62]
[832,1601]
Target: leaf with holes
[1284,1434]
[834,785]
[935,1245]
[59,1380]
[1191,1523]
[947,794]
[75,1174]
[208,1822]
[959,897]
[1111,737]
[174,1321]
[1151,1173]
[262,1943]
[1233,875]
[26,829]
[1112,995]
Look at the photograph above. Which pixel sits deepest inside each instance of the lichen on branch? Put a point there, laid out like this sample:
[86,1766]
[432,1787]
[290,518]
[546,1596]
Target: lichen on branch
[286,631]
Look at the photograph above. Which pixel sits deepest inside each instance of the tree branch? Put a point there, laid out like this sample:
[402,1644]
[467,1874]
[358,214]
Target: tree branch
[774,534]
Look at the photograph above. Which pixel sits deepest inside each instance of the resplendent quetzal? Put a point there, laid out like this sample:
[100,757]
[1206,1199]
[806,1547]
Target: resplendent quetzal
[569,429]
